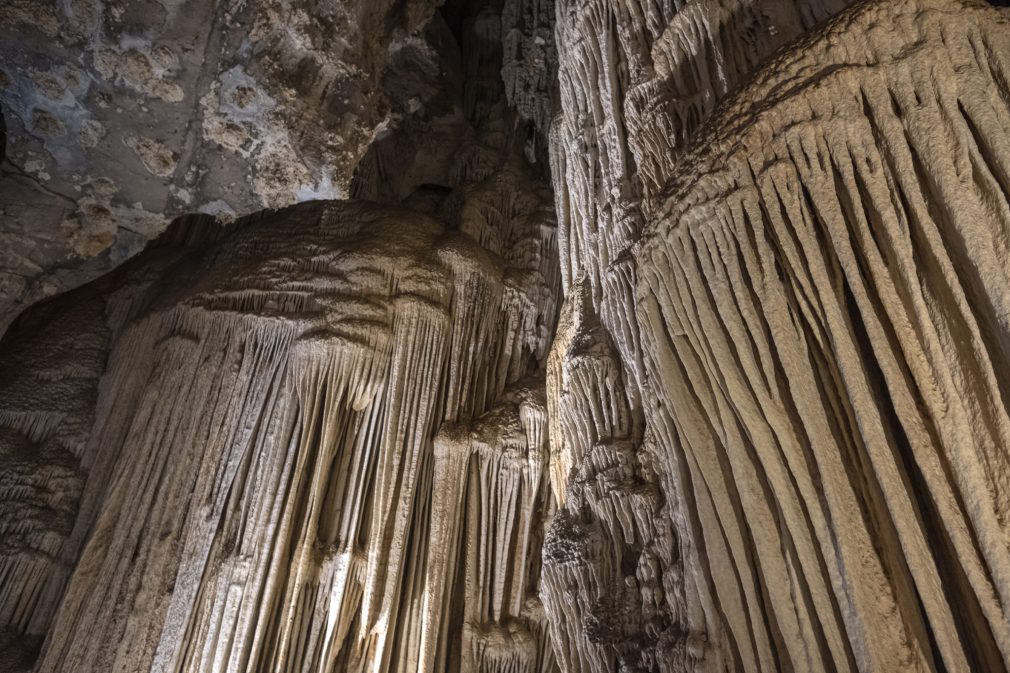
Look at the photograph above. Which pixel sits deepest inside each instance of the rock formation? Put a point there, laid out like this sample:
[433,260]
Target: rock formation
[122,115]
[823,282]
[316,440]
[655,336]
[272,412]
[805,297]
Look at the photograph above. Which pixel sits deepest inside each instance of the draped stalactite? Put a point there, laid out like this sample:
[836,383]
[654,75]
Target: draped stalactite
[314,440]
[55,472]
[258,432]
[637,81]
[822,293]
[784,298]
[733,396]
[495,500]
[277,416]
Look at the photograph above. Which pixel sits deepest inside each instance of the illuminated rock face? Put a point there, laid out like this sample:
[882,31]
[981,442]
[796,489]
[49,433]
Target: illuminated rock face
[828,295]
[785,317]
[732,398]
[273,493]
[284,497]
[315,440]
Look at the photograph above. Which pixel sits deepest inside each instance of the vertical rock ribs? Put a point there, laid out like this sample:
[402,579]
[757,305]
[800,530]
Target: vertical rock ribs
[773,434]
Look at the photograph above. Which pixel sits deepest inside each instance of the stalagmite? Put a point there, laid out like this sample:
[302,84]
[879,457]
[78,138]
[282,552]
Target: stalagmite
[664,336]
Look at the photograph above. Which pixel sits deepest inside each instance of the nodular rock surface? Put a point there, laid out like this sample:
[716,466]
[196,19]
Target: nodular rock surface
[666,336]
[122,115]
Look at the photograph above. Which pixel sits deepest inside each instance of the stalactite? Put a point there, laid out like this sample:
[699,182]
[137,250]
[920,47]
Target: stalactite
[495,500]
[763,429]
[276,421]
[820,294]
[54,471]
[752,570]
[271,420]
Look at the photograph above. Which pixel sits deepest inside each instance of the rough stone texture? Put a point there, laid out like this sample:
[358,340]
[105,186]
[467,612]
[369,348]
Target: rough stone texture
[273,403]
[636,82]
[122,115]
[766,429]
[317,442]
[530,67]
[805,291]
[822,293]
[55,472]
[274,410]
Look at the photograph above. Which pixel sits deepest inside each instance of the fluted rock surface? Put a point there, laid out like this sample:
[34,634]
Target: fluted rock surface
[274,410]
[741,405]
[822,300]
[817,346]
[636,81]
[315,440]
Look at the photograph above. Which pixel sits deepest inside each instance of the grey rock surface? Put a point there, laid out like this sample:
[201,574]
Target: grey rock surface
[123,115]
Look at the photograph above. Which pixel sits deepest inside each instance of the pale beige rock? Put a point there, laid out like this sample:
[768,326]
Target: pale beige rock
[322,437]
[820,296]
[275,421]
[636,83]
[765,430]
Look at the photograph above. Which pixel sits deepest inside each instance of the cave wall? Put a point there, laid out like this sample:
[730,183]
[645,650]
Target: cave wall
[281,413]
[636,84]
[123,115]
[655,336]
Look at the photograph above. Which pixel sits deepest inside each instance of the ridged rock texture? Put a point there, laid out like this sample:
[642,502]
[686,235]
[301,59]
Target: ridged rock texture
[273,413]
[659,336]
[315,440]
[822,300]
[805,283]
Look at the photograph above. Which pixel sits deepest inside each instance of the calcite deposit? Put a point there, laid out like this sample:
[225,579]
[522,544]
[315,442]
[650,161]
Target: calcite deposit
[804,284]
[273,410]
[662,336]
[124,115]
[313,440]
[824,284]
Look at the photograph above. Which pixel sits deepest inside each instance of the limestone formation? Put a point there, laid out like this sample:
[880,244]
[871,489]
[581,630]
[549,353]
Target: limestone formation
[635,86]
[315,441]
[654,336]
[273,411]
[123,115]
[803,284]
[821,301]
